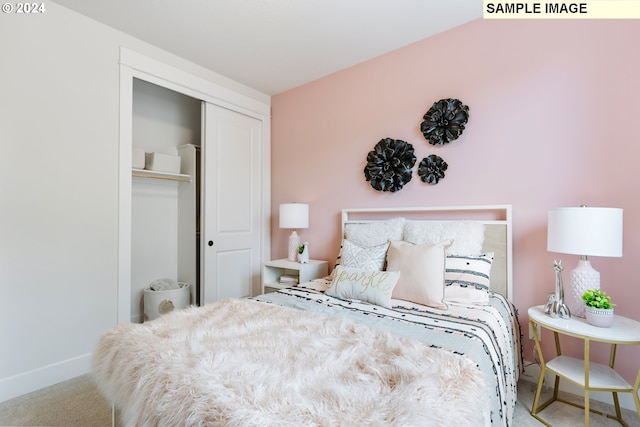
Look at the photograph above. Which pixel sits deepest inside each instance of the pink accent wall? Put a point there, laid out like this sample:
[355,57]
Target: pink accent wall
[554,108]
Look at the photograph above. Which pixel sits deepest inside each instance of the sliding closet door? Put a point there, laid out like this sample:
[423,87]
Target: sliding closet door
[231,234]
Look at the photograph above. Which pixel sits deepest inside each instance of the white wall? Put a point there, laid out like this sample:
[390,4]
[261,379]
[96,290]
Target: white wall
[59,130]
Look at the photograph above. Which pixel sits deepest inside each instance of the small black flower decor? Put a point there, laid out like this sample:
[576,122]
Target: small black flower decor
[445,121]
[389,164]
[431,169]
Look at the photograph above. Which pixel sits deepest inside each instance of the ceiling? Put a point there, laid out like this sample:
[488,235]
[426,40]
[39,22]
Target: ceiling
[276,45]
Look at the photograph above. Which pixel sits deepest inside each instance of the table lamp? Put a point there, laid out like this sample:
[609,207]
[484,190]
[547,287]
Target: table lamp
[294,215]
[584,231]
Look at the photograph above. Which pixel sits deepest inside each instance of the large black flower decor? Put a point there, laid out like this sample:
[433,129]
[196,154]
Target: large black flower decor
[445,121]
[389,164]
[431,169]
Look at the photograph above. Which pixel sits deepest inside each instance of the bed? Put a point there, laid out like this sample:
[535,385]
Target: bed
[414,326]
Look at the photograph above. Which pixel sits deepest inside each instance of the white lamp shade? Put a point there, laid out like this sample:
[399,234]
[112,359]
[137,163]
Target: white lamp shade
[585,231]
[294,215]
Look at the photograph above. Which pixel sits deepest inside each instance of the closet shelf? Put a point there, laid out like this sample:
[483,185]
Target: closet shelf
[144,173]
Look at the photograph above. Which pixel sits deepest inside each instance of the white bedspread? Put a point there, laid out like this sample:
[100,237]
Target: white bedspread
[489,335]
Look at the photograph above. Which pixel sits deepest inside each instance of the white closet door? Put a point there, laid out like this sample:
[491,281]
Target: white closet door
[232,200]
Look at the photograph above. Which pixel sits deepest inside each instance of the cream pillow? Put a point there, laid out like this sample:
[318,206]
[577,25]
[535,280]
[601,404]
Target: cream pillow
[421,270]
[371,286]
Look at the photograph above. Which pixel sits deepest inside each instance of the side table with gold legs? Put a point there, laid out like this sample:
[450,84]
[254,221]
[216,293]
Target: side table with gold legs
[588,375]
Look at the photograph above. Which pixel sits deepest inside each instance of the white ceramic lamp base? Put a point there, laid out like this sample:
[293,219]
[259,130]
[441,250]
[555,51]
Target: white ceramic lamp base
[294,243]
[583,278]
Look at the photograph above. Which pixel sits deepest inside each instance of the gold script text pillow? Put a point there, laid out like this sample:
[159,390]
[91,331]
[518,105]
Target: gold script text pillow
[372,286]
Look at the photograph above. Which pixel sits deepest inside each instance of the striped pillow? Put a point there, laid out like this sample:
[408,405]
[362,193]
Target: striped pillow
[467,278]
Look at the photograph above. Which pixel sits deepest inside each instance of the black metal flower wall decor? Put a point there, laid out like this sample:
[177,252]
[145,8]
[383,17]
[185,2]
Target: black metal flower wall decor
[431,169]
[389,164]
[445,121]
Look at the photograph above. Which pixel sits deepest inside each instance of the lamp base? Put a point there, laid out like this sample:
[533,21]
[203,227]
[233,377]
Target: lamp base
[294,243]
[583,278]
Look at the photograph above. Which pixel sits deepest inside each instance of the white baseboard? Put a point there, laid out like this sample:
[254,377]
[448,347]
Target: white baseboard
[26,382]
[532,373]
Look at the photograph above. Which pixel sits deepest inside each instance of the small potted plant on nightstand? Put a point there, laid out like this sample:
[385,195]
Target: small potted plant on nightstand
[599,310]
[303,253]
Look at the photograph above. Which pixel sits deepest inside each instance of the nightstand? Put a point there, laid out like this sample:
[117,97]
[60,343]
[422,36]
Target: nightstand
[588,375]
[272,271]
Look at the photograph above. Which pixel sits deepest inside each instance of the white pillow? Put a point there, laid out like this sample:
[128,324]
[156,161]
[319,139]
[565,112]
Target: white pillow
[371,286]
[374,233]
[354,256]
[421,270]
[467,278]
[467,236]
[371,258]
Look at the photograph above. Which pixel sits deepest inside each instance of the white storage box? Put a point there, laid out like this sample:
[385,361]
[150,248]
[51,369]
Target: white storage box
[138,158]
[162,162]
[157,303]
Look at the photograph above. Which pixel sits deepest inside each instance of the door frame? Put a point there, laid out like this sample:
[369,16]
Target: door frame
[134,65]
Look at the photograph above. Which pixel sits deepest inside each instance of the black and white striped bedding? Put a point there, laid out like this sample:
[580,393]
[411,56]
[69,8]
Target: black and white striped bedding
[489,334]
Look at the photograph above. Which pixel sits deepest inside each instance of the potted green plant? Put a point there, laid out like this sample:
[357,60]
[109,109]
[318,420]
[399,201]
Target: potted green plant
[303,253]
[599,310]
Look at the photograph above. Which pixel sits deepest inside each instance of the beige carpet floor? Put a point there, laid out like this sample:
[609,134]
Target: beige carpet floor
[77,403]
[562,415]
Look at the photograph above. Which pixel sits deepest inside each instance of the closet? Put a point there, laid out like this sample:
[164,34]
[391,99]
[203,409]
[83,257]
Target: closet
[165,219]
[207,225]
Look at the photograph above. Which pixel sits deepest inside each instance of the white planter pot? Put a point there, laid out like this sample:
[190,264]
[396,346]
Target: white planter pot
[602,318]
[303,257]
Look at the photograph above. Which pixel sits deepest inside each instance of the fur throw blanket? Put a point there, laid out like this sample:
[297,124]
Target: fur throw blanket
[241,362]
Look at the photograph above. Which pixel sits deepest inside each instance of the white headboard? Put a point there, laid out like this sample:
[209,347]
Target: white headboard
[497,226]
